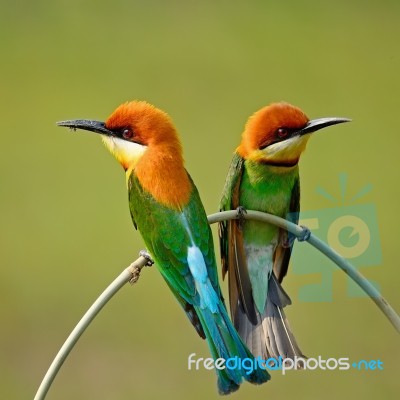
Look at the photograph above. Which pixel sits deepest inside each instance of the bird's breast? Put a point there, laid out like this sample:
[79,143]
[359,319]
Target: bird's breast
[263,190]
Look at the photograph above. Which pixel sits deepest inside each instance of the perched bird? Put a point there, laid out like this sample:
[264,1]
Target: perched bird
[264,176]
[166,209]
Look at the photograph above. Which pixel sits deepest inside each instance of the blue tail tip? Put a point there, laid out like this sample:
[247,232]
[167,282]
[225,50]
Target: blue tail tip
[225,388]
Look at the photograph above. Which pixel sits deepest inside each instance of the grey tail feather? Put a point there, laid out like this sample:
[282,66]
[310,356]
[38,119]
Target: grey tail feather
[272,336]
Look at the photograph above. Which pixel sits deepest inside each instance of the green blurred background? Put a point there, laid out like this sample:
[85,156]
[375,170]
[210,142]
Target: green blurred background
[65,226]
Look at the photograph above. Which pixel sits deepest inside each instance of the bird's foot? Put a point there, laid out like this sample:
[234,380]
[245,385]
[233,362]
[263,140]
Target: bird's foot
[288,241]
[136,269]
[147,256]
[135,274]
[304,235]
[241,211]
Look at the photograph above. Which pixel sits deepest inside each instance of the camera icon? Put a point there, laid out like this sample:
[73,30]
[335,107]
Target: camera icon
[350,230]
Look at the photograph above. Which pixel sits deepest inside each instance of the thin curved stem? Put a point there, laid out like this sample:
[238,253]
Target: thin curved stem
[341,262]
[130,274]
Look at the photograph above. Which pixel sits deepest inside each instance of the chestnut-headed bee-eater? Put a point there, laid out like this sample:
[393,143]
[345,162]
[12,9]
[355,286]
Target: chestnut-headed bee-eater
[264,176]
[166,209]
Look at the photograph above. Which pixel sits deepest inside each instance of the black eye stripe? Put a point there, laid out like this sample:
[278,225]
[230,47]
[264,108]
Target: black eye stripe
[128,134]
[282,133]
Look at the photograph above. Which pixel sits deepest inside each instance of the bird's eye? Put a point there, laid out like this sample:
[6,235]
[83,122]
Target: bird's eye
[282,132]
[127,133]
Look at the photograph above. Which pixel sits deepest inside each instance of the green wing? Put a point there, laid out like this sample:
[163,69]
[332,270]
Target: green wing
[229,200]
[284,249]
[233,257]
[168,234]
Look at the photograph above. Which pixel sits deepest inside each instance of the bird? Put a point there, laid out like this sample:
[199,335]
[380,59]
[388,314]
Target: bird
[165,207]
[264,176]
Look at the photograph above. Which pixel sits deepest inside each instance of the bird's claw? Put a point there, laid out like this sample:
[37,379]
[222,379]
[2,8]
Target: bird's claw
[304,235]
[135,274]
[241,211]
[288,242]
[147,256]
[136,268]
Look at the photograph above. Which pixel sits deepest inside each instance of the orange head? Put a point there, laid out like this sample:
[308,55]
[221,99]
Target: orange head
[278,134]
[143,138]
[133,128]
[138,125]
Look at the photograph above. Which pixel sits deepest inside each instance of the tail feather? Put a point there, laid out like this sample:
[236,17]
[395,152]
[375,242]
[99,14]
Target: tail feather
[224,342]
[226,384]
[272,336]
[278,337]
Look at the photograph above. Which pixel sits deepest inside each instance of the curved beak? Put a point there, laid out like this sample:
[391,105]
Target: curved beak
[87,125]
[317,124]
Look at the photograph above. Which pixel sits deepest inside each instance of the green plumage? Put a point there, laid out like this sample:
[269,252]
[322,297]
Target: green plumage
[256,254]
[181,244]
[261,187]
[167,238]
[265,190]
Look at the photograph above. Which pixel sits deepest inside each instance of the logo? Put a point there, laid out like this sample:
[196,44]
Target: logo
[349,228]
[249,365]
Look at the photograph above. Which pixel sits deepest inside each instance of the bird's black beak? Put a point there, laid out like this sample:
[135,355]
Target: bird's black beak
[317,124]
[87,125]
